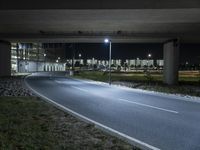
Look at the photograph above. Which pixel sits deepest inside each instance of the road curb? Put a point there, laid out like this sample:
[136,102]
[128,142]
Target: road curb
[181,97]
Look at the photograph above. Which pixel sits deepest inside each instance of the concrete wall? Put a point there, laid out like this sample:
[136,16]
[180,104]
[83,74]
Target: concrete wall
[5,58]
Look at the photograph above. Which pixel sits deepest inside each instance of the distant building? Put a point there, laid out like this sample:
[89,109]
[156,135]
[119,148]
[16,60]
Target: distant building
[160,63]
[30,57]
[32,66]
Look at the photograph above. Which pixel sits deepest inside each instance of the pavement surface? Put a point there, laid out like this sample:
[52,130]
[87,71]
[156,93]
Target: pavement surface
[159,121]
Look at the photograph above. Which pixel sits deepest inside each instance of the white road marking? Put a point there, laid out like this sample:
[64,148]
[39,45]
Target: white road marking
[145,105]
[60,82]
[193,99]
[128,101]
[132,140]
[80,89]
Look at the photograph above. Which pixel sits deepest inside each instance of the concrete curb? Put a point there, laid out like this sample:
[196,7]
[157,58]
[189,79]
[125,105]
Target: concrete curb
[181,97]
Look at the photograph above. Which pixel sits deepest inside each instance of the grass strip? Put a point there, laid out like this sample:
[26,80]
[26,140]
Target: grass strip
[32,124]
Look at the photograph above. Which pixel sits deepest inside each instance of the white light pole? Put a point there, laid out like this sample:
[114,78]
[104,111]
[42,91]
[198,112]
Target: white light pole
[45,61]
[79,55]
[110,46]
[149,56]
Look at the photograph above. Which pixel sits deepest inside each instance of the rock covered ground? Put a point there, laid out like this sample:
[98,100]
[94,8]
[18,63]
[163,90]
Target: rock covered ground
[13,86]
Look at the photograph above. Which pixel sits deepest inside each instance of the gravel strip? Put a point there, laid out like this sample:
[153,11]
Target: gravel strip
[13,86]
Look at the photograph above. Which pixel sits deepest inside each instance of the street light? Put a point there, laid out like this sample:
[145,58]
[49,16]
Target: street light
[110,46]
[149,56]
[79,55]
[45,61]
[106,40]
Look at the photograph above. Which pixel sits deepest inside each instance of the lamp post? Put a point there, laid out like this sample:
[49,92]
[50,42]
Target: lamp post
[45,61]
[79,55]
[110,47]
[149,56]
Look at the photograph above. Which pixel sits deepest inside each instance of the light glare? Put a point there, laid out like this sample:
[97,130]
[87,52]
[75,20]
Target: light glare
[106,40]
[149,55]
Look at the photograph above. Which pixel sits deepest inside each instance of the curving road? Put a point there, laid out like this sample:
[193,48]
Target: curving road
[153,120]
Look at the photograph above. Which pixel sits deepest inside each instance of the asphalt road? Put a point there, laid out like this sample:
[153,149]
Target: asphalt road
[163,122]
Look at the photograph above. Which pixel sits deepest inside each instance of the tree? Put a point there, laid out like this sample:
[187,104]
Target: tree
[118,68]
[125,66]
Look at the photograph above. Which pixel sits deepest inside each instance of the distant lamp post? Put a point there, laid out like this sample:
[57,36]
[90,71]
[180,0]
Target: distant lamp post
[45,61]
[58,59]
[149,56]
[110,46]
[79,55]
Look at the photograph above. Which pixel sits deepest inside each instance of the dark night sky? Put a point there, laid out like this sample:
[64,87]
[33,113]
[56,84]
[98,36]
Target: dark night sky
[188,52]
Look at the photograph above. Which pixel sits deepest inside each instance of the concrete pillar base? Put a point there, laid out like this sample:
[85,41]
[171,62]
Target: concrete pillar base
[171,61]
[5,58]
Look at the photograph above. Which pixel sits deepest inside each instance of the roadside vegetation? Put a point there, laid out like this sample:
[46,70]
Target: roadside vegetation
[30,123]
[189,82]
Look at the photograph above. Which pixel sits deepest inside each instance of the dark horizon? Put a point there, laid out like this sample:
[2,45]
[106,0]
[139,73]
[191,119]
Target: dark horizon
[188,52]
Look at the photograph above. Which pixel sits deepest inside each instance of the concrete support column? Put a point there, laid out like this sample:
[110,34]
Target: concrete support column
[171,61]
[5,58]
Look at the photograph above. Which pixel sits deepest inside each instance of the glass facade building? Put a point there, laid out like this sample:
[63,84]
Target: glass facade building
[31,57]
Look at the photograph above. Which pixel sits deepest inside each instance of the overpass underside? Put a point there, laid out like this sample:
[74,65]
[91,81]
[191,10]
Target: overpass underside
[74,21]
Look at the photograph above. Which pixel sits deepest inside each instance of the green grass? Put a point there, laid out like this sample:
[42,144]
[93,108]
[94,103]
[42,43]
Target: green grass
[31,124]
[155,84]
[103,76]
[177,89]
[137,76]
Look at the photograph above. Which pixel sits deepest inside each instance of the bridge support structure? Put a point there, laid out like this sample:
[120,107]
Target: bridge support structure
[171,61]
[5,58]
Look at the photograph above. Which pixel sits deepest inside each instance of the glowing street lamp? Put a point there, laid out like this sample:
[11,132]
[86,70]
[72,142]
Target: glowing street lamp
[149,55]
[110,46]
[45,61]
[106,40]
